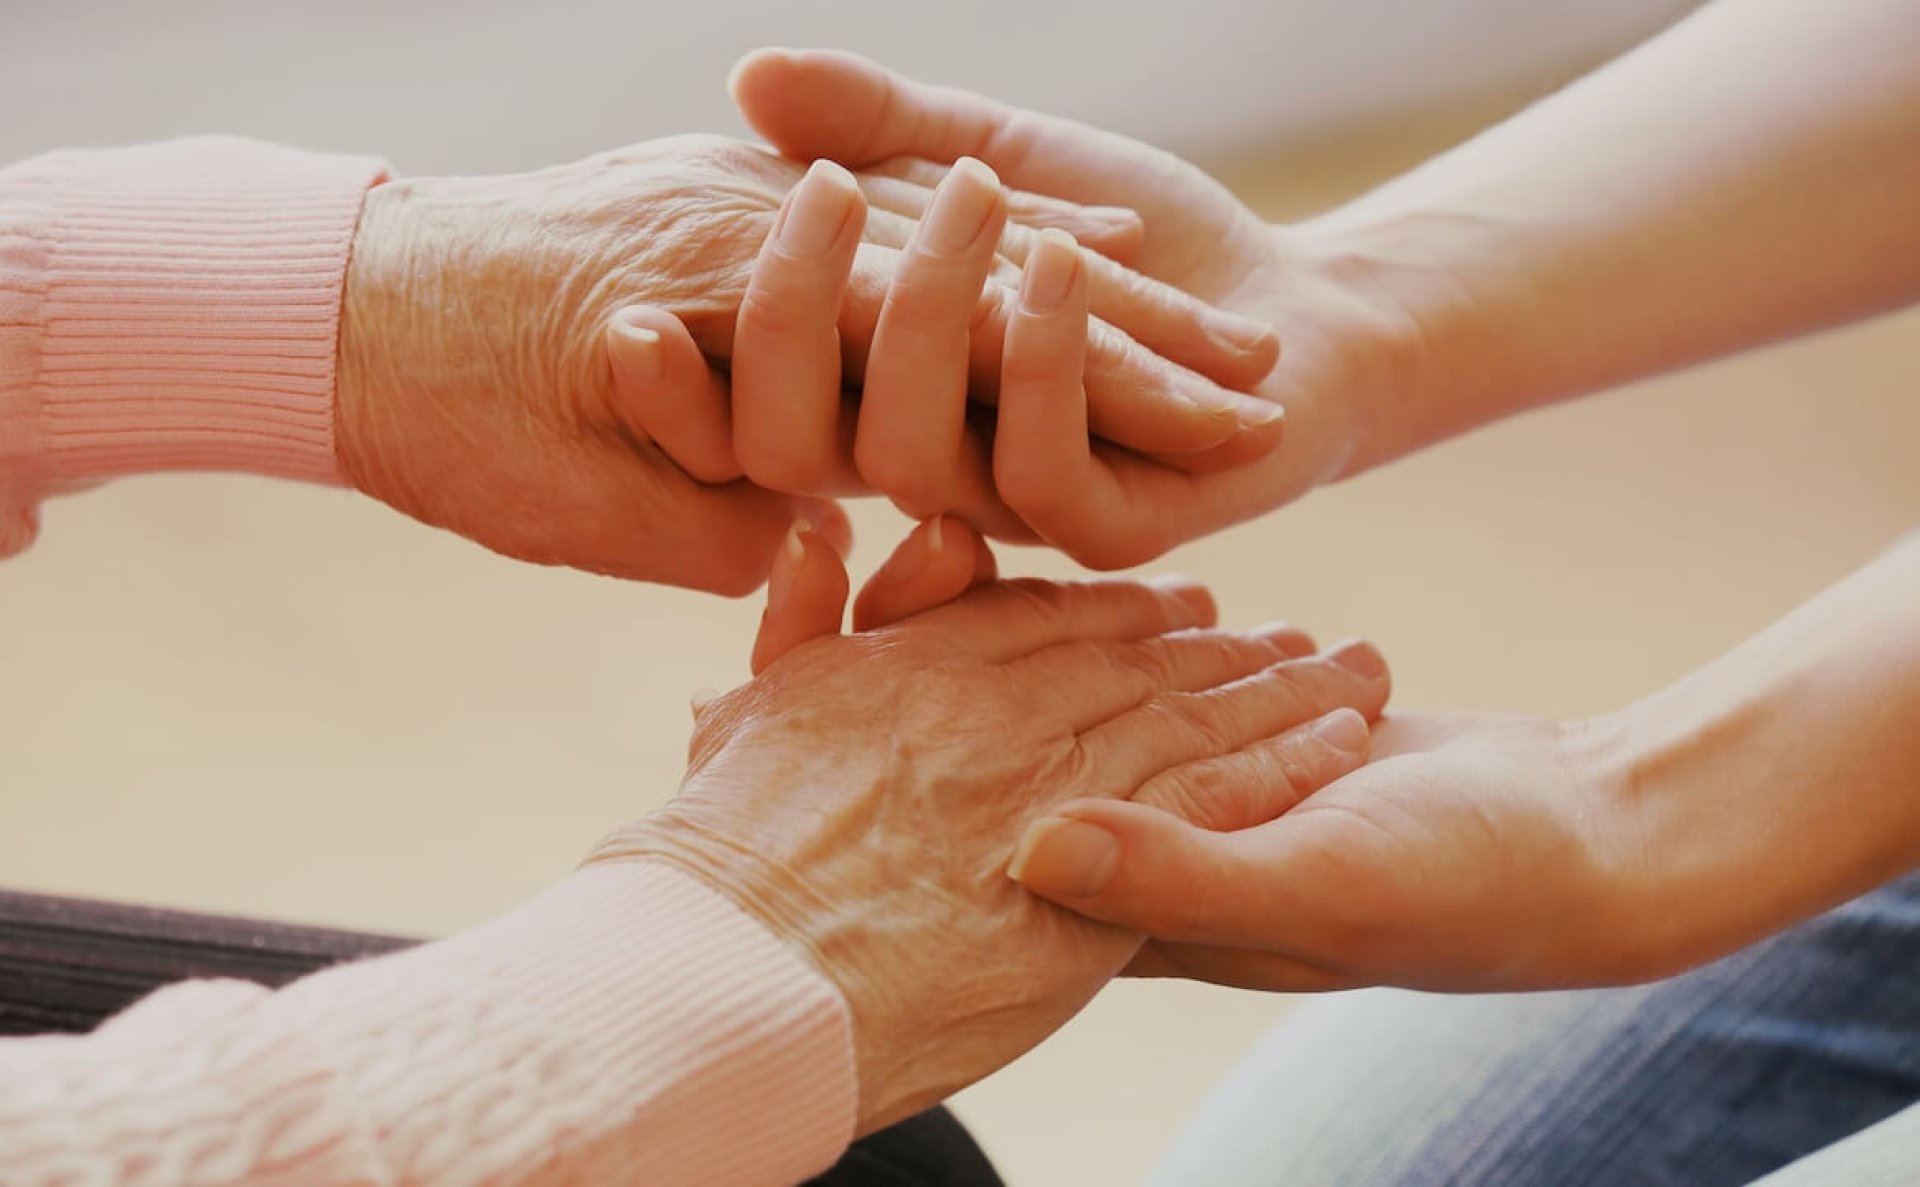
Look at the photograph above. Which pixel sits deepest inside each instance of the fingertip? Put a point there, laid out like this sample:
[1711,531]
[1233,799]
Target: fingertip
[806,596]
[986,567]
[1065,857]
[1346,733]
[809,102]
[1361,658]
[636,340]
[1289,639]
[934,564]
[749,65]
[829,520]
[1053,281]
[1256,433]
[1197,597]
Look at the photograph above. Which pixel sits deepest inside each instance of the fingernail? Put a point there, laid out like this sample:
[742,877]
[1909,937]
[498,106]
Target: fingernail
[1052,269]
[1212,401]
[816,211]
[1361,658]
[1068,858]
[1343,730]
[1243,334]
[785,569]
[1197,596]
[647,359]
[961,208]
[1286,636]
[1256,413]
[922,546]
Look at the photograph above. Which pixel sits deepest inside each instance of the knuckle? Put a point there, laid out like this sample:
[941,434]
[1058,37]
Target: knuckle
[1045,602]
[1039,497]
[1151,661]
[931,297]
[721,154]
[790,471]
[1190,715]
[1199,794]
[778,304]
[915,481]
[1038,360]
[1291,777]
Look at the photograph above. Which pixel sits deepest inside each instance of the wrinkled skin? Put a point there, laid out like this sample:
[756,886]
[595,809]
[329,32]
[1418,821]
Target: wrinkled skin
[475,391]
[863,796]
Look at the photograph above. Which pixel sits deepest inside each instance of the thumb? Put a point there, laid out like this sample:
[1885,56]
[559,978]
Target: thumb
[1148,870]
[664,392]
[824,103]
[806,595]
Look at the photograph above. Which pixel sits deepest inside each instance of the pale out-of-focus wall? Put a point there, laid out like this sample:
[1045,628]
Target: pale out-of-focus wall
[496,84]
[249,696]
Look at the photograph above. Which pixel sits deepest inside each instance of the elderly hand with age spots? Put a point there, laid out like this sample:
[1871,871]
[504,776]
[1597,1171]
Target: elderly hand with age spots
[881,851]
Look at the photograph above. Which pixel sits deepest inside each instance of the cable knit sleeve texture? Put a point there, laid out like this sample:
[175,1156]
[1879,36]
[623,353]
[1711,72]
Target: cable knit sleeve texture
[629,1026]
[169,307]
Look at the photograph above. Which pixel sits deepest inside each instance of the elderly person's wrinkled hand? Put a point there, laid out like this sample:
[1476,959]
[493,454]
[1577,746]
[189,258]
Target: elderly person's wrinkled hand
[475,389]
[863,795]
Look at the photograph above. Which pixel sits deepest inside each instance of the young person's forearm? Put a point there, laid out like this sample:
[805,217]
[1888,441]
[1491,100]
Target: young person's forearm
[1752,174]
[1784,778]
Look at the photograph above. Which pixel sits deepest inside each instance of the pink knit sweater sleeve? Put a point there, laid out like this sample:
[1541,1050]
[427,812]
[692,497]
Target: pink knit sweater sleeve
[175,307]
[629,1026]
[169,307]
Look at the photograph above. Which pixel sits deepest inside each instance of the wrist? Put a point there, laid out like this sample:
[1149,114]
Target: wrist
[837,940]
[369,315]
[1699,865]
[1358,321]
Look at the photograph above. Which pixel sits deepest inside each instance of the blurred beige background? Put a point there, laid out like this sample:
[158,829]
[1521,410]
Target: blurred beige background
[237,695]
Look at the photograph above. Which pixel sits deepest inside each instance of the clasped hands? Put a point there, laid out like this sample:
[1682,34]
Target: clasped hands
[640,364]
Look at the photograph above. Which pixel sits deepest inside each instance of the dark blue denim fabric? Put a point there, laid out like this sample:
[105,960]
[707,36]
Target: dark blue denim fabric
[1712,1079]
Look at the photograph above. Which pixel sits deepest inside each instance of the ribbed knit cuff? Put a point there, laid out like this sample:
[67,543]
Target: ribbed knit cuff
[169,307]
[629,1025]
[192,307]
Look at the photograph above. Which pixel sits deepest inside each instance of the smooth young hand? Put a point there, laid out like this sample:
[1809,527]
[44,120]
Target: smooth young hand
[1345,351]
[1500,853]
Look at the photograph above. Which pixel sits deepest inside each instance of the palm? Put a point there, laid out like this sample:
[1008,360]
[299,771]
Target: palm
[1460,859]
